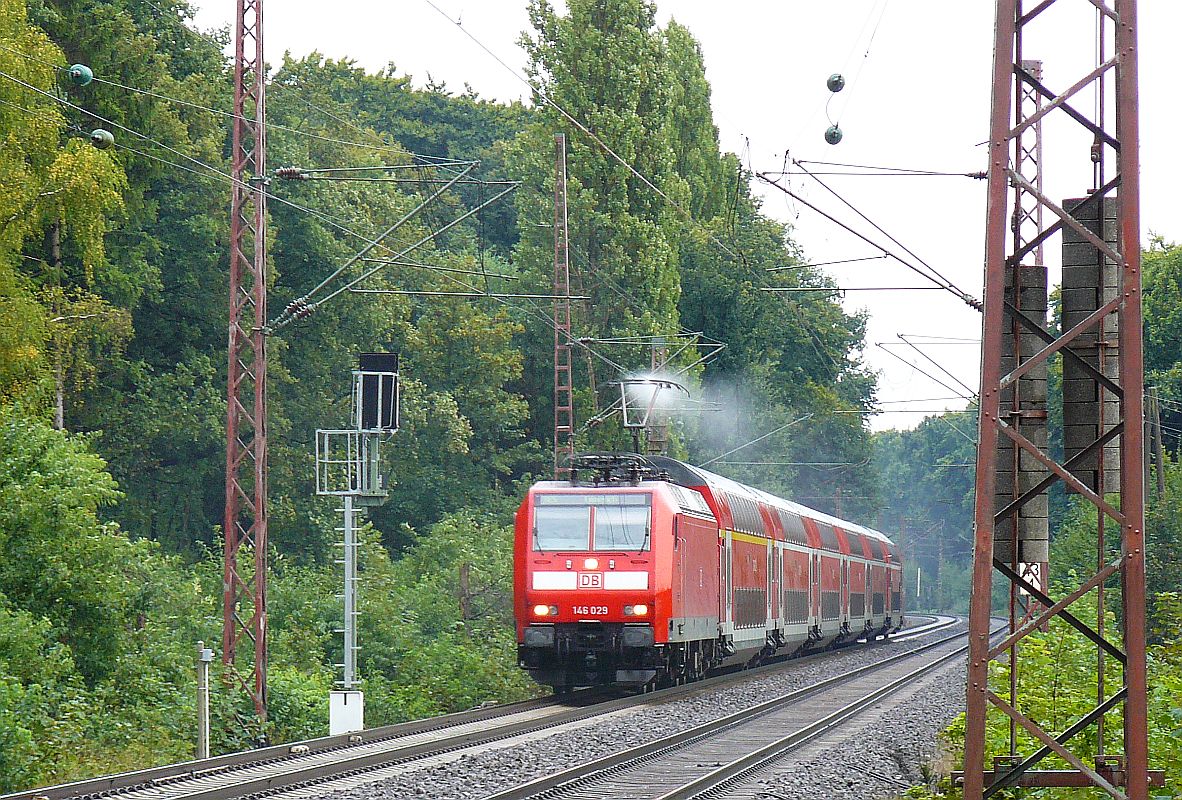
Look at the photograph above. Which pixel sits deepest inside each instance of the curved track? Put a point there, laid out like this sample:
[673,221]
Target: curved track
[312,765]
[711,759]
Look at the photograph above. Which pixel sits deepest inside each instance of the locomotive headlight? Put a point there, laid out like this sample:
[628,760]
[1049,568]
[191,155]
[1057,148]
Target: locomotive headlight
[591,563]
[638,610]
[542,610]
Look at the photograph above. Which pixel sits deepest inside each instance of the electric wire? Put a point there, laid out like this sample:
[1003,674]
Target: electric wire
[426,159]
[862,65]
[219,176]
[949,284]
[304,301]
[591,135]
[369,133]
[216,173]
[905,170]
[756,440]
[922,371]
[855,174]
[938,365]
[944,284]
[793,267]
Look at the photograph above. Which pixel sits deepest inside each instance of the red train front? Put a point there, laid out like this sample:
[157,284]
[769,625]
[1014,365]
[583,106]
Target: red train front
[657,572]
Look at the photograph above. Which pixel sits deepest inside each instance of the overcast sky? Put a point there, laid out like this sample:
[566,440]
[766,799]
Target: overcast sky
[917,96]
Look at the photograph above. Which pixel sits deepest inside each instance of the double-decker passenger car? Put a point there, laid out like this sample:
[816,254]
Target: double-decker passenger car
[652,571]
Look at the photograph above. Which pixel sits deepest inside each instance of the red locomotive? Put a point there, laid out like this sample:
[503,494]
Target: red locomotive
[656,572]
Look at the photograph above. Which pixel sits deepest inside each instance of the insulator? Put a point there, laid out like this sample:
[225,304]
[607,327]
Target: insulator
[102,139]
[80,74]
[835,82]
[291,173]
[833,134]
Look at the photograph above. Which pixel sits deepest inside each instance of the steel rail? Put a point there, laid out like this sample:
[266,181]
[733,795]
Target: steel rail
[739,770]
[319,761]
[170,773]
[577,779]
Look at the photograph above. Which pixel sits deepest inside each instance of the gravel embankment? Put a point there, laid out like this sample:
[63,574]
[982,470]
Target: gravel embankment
[477,774]
[876,759]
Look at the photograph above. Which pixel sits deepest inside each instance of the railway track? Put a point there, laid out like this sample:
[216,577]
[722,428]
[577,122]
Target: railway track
[308,768]
[713,759]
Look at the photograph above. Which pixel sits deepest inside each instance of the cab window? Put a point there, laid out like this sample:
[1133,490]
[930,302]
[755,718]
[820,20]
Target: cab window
[562,527]
[581,522]
[621,527]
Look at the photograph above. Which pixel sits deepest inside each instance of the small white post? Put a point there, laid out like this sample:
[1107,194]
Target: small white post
[204,657]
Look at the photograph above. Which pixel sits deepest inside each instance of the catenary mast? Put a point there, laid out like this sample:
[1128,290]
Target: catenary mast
[244,621]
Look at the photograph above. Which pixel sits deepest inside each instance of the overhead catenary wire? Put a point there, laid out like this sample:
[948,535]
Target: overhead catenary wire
[839,289]
[865,58]
[941,282]
[305,301]
[756,440]
[856,174]
[792,267]
[302,305]
[922,371]
[198,165]
[948,283]
[903,170]
[685,214]
[937,365]
[426,160]
[217,175]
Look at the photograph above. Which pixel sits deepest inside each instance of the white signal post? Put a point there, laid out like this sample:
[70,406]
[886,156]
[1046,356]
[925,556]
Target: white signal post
[348,466]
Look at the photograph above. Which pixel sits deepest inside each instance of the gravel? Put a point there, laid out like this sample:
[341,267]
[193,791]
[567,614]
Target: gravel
[879,756]
[904,742]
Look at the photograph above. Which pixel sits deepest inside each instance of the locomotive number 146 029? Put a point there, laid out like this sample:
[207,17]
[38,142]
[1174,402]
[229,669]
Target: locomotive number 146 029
[592,611]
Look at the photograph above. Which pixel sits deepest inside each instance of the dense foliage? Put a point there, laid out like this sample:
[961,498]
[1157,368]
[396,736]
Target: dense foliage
[112,349]
[113,286]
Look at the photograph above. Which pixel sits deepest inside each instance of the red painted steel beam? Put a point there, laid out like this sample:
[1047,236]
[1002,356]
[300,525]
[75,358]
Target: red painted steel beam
[1132,367]
[564,412]
[244,620]
[1065,778]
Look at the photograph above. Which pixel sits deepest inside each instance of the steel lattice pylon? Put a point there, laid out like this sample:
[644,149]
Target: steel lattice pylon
[1009,204]
[245,523]
[564,411]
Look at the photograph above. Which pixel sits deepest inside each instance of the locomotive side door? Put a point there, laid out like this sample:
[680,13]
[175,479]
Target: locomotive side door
[845,588]
[724,574]
[814,589]
[679,548]
[770,583]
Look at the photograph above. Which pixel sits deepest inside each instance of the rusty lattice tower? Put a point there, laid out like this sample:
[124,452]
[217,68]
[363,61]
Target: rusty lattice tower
[244,621]
[1016,344]
[564,403]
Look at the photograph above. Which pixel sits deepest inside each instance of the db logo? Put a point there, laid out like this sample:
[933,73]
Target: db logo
[590,580]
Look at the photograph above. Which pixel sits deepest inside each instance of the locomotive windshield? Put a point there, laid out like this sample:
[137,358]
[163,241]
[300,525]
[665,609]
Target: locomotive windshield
[592,522]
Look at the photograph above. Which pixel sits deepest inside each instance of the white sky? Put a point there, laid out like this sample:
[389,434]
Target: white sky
[919,100]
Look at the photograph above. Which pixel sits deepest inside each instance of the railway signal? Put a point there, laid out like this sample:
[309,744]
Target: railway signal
[348,466]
